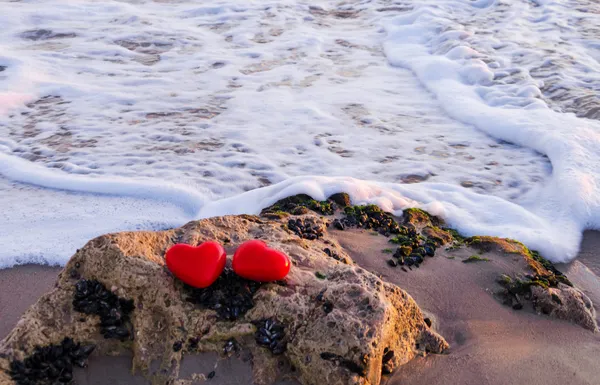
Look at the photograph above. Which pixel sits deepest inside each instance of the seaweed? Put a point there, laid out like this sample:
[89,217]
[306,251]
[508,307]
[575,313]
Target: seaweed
[475,258]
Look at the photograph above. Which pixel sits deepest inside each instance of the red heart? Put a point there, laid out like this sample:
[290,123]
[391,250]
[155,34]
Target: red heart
[197,266]
[256,261]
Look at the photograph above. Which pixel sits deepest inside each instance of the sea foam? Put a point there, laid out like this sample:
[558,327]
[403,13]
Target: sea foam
[130,126]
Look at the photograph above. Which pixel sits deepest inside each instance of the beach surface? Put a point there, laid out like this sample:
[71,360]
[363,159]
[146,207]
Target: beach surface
[490,343]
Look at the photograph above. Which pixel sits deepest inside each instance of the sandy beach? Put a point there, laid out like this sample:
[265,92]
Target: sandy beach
[490,343]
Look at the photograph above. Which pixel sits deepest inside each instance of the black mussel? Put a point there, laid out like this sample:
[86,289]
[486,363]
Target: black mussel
[417,258]
[193,343]
[177,345]
[270,334]
[429,250]
[319,296]
[279,348]
[263,340]
[388,356]
[230,346]
[420,251]
[230,296]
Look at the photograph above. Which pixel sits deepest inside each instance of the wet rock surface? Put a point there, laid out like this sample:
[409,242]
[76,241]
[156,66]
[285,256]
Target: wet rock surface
[324,308]
[46,34]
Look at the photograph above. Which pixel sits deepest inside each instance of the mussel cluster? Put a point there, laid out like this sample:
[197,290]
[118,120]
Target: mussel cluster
[413,248]
[52,364]
[231,296]
[368,217]
[92,297]
[270,334]
[305,229]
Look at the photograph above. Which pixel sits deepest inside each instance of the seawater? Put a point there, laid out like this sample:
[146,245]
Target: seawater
[145,114]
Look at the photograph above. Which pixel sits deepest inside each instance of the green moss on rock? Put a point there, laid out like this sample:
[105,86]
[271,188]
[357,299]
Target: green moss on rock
[417,217]
[475,258]
[437,235]
[371,217]
[341,199]
[300,204]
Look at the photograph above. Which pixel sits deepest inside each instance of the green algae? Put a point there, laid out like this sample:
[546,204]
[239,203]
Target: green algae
[475,258]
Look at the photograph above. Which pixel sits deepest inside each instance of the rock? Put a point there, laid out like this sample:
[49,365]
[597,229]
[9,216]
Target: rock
[566,303]
[414,178]
[341,199]
[437,235]
[370,217]
[417,217]
[345,323]
[46,34]
[299,205]
[403,251]
[338,225]
[540,282]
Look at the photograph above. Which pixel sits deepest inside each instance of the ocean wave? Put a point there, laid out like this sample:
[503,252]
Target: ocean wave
[238,105]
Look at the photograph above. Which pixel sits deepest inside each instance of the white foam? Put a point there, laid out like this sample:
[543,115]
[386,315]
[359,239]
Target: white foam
[148,127]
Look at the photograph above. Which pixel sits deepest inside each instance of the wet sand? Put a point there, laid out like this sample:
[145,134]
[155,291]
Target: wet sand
[490,343]
[20,287]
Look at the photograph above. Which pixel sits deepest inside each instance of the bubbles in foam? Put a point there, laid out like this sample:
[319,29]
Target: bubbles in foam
[236,96]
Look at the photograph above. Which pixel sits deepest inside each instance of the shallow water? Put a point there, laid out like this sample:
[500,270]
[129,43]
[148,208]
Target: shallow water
[147,114]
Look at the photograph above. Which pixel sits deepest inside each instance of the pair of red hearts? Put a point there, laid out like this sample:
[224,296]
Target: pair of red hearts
[201,266]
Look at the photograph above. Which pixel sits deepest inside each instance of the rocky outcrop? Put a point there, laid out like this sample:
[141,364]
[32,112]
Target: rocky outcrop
[336,323]
[549,290]
[566,303]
